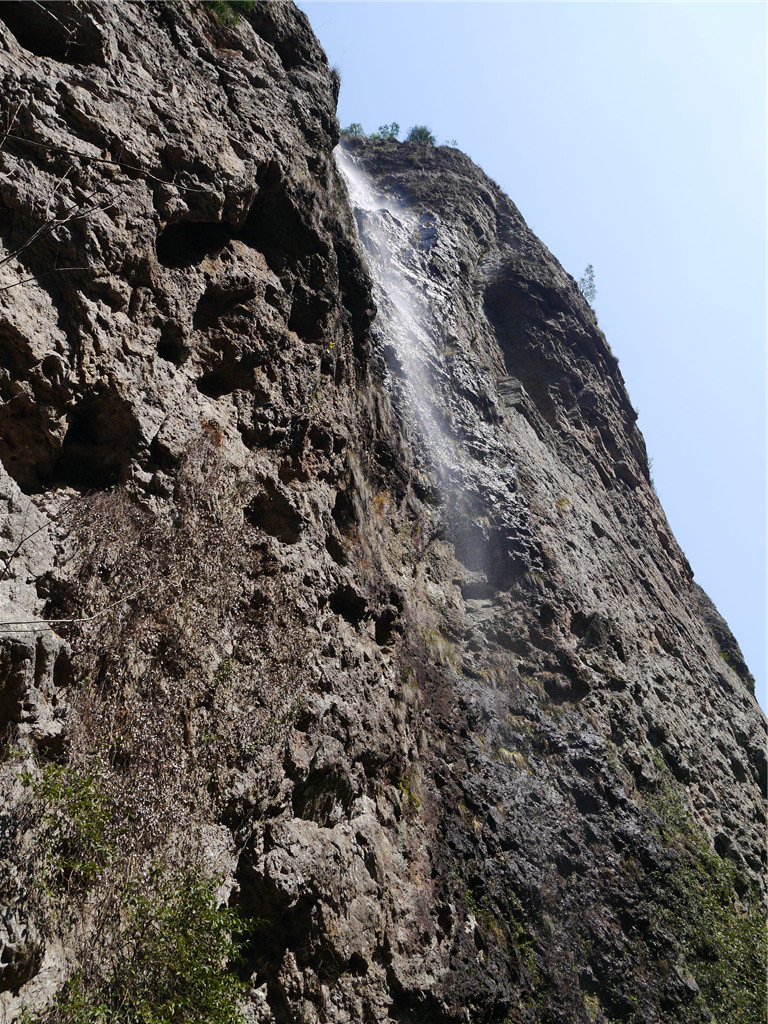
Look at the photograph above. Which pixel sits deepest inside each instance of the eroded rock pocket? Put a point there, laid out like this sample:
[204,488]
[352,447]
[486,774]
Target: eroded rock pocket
[272,512]
[57,30]
[102,439]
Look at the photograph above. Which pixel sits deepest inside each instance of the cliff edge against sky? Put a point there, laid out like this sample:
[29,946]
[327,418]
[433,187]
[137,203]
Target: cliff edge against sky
[431,697]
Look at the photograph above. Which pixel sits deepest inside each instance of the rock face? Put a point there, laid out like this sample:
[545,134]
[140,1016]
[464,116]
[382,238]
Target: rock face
[365,604]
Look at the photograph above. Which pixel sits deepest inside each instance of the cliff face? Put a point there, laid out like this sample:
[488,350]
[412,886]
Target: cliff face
[377,617]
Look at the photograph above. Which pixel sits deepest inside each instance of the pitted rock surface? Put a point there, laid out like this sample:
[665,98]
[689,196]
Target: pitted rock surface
[421,670]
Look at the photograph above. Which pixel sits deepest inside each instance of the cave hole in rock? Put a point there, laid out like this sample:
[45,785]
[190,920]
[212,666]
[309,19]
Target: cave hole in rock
[272,512]
[336,549]
[279,923]
[308,317]
[349,604]
[27,449]
[62,670]
[189,241]
[100,442]
[58,30]
[589,627]
[275,224]
[231,374]
[587,802]
[344,512]
[656,736]
[547,615]
[387,624]
[388,617]
[171,345]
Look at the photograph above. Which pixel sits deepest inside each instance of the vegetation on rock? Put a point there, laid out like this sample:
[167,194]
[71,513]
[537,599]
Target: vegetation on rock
[702,900]
[78,827]
[353,131]
[587,284]
[163,958]
[420,133]
[397,682]
[107,843]
[390,133]
[228,11]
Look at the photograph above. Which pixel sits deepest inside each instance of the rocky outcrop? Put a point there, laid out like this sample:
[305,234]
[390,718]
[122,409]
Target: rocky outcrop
[421,675]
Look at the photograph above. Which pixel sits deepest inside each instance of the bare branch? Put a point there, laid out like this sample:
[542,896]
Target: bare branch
[26,280]
[23,540]
[70,32]
[56,188]
[53,223]
[31,625]
[16,550]
[11,122]
[30,505]
[102,160]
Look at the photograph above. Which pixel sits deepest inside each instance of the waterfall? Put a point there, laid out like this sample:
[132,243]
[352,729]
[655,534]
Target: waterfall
[398,244]
[432,332]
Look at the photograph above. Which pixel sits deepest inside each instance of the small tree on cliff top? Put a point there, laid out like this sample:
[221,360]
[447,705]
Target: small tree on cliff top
[387,131]
[353,131]
[420,133]
[587,284]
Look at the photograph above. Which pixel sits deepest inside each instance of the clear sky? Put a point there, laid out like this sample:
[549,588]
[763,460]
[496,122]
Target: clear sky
[631,136]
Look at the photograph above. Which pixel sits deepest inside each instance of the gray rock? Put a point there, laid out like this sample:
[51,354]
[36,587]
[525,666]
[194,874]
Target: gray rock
[21,950]
[422,672]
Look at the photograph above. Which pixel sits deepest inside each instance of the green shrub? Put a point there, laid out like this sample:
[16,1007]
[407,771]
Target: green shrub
[420,133]
[353,131]
[587,284]
[78,826]
[227,12]
[158,948]
[387,132]
[167,963]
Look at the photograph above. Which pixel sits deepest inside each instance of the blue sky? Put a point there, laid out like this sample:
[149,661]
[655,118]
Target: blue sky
[630,136]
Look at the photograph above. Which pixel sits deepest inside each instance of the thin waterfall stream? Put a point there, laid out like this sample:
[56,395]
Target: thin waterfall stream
[398,243]
[444,389]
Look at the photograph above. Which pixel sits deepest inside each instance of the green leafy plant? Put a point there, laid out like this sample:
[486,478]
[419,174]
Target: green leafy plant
[227,12]
[168,962]
[522,936]
[587,284]
[481,907]
[78,826]
[420,133]
[388,132]
[353,131]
